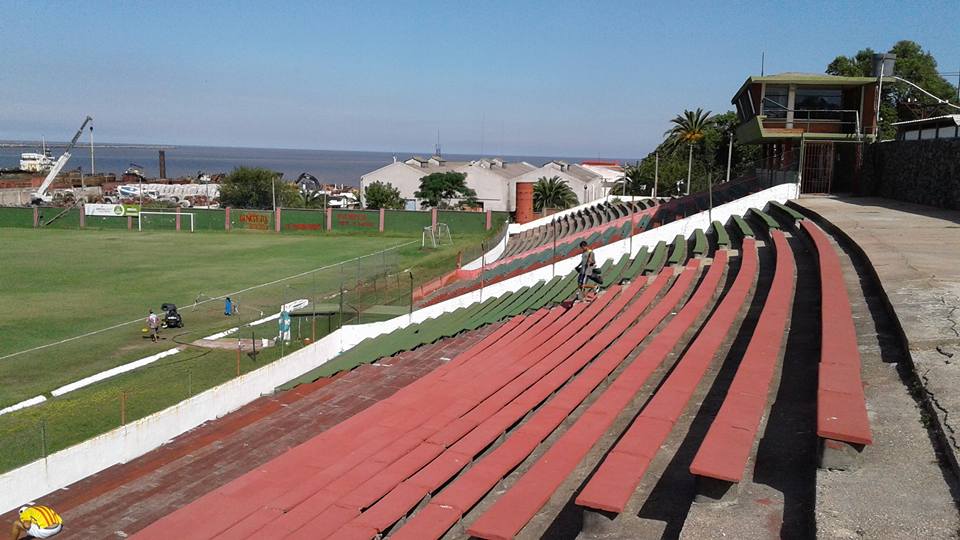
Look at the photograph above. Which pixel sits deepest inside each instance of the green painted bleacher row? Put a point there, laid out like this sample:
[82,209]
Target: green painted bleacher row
[527,299]
[579,221]
[567,249]
[472,317]
[489,311]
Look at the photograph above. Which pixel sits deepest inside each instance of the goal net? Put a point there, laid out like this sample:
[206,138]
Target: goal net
[164,221]
[436,237]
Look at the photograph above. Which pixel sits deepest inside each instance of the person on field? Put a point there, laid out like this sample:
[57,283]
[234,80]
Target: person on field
[587,271]
[228,307]
[153,323]
[36,521]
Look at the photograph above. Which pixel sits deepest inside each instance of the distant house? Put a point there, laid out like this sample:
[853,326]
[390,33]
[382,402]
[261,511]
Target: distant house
[830,117]
[501,186]
[488,177]
[938,127]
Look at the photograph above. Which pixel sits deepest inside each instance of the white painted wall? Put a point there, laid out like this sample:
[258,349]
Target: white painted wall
[65,467]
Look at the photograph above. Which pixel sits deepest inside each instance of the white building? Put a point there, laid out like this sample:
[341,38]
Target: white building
[495,180]
[488,177]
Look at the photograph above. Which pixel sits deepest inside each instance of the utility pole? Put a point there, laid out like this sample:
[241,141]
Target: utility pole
[656,174]
[273,191]
[729,156]
[710,193]
[93,170]
[876,124]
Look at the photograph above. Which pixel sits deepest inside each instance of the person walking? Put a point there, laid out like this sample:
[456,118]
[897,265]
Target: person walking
[228,307]
[36,521]
[153,323]
[587,271]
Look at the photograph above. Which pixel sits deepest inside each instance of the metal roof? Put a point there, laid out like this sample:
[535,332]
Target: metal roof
[954,117]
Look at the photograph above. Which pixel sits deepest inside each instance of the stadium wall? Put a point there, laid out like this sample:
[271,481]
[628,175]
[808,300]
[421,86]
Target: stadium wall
[292,220]
[123,444]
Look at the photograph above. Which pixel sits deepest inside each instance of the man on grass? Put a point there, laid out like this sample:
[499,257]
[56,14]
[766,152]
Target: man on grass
[36,521]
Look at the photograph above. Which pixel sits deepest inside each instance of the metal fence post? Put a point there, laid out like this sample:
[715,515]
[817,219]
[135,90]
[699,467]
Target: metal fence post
[43,437]
[553,265]
[483,266]
[411,295]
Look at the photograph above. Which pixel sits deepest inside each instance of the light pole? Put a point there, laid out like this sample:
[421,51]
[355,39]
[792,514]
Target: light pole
[656,174]
[729,156]
[273,192]
[93,170]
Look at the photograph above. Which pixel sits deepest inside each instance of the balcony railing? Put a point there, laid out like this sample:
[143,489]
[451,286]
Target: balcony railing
[816,120]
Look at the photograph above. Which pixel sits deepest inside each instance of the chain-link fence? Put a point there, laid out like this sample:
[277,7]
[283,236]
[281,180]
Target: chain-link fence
[200,344]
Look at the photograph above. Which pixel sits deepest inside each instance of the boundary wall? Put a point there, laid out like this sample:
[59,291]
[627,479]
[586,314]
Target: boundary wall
[284,220]
[60,469]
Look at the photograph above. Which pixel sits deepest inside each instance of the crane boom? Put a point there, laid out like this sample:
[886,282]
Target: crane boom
[41,194]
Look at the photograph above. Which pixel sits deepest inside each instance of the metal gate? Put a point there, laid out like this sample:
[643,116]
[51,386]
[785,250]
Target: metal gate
[818,162]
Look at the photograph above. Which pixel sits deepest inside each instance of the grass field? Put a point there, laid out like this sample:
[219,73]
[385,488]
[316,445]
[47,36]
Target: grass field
[61,284]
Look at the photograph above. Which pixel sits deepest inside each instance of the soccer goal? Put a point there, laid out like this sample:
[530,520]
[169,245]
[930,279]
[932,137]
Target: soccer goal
[152,220]
[436,237]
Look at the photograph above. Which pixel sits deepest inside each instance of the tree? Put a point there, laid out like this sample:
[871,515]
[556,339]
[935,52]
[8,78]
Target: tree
[553,193]
[901,101]
[633,183]
[383,195]
[709,156]
[437,190]
[253,187]
[688,128]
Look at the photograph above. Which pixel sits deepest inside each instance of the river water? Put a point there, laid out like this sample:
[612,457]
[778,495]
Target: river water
[335,166]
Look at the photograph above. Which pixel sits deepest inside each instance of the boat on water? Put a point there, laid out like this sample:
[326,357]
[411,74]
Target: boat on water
[37,162]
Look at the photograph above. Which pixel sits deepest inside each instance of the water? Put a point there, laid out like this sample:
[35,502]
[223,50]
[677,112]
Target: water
[336,166]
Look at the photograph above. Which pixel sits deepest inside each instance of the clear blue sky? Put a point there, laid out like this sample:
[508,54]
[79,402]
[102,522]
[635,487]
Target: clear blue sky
[543,78]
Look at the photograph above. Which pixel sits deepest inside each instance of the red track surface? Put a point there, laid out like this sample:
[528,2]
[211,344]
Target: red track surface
[130,496]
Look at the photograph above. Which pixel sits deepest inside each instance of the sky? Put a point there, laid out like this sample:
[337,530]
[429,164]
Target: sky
[513,78]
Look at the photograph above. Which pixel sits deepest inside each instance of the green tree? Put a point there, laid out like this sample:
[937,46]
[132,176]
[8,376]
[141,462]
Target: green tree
[438,190]
[634,182]
[688,129]
[901,101]
[553,193]
[253,187]
[383,195]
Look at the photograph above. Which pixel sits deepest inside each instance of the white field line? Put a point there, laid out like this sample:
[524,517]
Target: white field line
[87,381]
[23,404]
[221,297]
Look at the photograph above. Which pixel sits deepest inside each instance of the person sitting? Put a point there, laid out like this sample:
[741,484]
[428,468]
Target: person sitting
[36,521]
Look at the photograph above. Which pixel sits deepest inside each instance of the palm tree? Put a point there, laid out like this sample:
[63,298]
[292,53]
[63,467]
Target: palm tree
[552,193]
[688,128]
[632,183]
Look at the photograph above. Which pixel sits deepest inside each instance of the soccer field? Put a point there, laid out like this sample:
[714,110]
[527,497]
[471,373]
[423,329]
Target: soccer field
[60,286]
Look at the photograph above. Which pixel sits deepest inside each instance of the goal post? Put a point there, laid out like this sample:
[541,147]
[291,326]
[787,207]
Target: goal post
[436,237]
[167,220]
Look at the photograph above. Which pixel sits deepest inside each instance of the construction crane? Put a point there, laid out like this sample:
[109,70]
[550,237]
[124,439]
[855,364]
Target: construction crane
[40,196]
